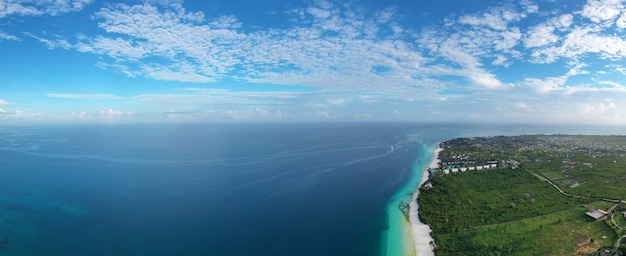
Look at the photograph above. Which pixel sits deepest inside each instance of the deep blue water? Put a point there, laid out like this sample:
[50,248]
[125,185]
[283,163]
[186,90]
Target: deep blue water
[206,189]
[199,189]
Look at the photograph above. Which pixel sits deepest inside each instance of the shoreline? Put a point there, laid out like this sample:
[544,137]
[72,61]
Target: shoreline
[420,232]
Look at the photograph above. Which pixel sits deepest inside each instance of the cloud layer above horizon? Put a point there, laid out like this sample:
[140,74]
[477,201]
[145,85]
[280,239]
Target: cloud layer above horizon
[527,61]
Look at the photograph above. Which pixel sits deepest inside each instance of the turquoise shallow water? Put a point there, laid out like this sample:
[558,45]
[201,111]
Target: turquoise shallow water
[210,189]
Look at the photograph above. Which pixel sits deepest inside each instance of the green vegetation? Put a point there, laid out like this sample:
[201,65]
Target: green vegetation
[620,220]
[488,197]
[534,202]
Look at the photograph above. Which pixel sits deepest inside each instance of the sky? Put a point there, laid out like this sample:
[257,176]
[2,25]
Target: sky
[529,61]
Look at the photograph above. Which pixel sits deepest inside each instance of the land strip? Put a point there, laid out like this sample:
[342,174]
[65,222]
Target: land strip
[479,211]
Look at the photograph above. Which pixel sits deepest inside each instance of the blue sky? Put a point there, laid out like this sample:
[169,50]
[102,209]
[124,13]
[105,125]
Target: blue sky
[542,61]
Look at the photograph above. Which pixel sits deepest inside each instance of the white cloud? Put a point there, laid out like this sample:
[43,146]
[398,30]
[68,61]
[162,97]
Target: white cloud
[80,115]
[52,44]
[563,21]
[341,48]
[36,8]
[485,79]
[581,41]
[21,115]
[508,39]
[500,60]
[218,105]
[16,8]
[547,84]
[5,36]
[529,6]
[84,96]
[602,10]
[619,68]
[544,33]
[468,47]
[604,111]
[621,22]
[182,72]
[540,35]
[327,44]
[496,18]
[3,102]
[557,83]
[522,106]
[115,114]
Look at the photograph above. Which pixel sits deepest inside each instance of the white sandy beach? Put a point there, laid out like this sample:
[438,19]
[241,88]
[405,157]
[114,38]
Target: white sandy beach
[419,230]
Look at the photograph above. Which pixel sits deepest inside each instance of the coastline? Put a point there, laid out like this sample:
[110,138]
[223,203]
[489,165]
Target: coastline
[421,232]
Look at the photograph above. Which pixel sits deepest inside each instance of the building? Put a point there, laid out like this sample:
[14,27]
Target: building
[596,214]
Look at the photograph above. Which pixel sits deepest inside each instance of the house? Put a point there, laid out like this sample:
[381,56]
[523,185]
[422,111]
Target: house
[596,214]
[478,168]
[471,168]
[463,169]
[493,165]
[605,252]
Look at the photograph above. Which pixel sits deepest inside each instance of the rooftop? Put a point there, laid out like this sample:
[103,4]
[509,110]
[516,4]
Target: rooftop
[596,214]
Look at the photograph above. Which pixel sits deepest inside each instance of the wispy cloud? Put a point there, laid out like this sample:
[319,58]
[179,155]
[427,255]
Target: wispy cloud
[331,45]
[115,114]
[607,111]
[603,12]
[22,115]
[84,96]
[581,41]
[5,36]
[363,63]
[327,46]
[35,8]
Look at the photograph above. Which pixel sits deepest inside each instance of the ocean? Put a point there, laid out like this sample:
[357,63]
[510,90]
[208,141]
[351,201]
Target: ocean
[213,189]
